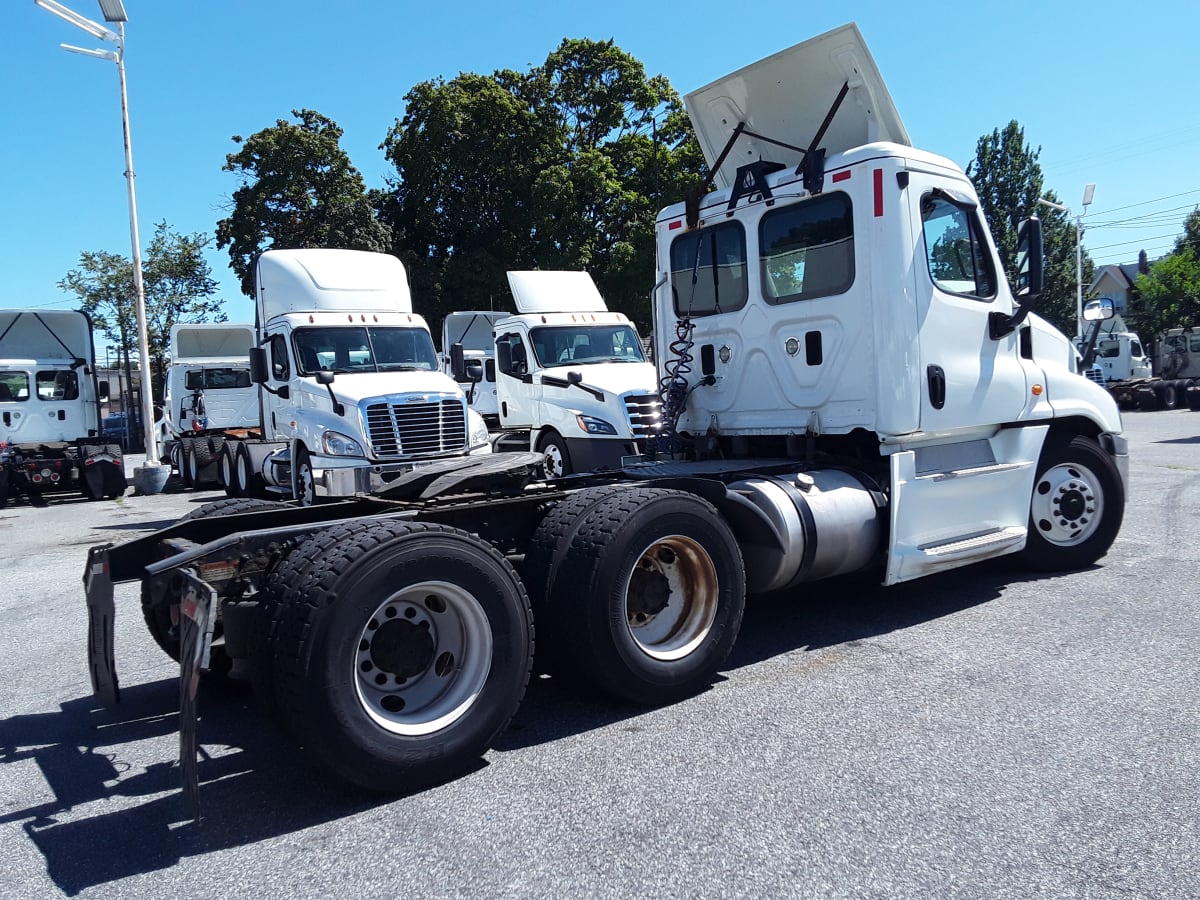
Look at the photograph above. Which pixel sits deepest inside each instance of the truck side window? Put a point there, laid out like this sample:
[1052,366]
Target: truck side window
[14,386]
[958,258]
[280,370]
[60,385]
[520,358]
[717,257]
[807,250]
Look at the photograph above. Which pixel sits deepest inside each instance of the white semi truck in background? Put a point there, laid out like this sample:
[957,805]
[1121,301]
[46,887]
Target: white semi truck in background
[208,397]
[50,437]
[472,330]
[571,379]
[350,389]
[850,385]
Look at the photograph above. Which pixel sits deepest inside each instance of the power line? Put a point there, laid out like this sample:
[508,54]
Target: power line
[1147,202]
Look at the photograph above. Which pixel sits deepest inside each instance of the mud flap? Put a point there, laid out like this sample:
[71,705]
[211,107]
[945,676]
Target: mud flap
[98,589]
[196,622]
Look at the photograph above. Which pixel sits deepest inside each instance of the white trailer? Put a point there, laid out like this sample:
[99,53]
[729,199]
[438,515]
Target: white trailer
[50,436]
[851,386]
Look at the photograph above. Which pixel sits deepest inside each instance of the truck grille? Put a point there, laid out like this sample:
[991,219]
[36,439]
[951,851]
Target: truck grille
[416,429]
[644,411]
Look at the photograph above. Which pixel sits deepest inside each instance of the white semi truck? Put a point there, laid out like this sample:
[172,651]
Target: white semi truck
[472,330]
[571,379]
[850,386]
[350,389]
[208,397]
[50,437]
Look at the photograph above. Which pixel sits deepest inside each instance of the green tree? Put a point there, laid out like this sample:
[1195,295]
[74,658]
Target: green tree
[178,284]
[1168,294]
[1009,181]
[563,166]
[298,189]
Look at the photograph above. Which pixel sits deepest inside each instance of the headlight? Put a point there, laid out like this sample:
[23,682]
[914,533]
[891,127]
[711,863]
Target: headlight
[479,430]
[336,444]
[592,425]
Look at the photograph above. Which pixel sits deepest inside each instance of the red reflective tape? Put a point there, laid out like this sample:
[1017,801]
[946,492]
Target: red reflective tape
[878,192]
[677,223]
[840,176]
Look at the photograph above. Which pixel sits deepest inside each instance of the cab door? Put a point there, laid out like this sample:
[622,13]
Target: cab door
[515,389]
[967,378]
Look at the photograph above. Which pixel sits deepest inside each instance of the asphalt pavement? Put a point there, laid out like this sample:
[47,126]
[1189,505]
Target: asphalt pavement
[983,733]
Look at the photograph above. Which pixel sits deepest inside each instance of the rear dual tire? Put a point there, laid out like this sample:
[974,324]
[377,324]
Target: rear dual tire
[400,650]
[638,591]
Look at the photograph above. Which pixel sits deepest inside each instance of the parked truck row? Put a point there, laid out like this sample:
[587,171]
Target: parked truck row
[848,385]
[1122,363]
[50,436]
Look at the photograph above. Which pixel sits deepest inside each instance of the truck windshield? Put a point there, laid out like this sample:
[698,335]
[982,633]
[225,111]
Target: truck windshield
[359,349]
[573,344]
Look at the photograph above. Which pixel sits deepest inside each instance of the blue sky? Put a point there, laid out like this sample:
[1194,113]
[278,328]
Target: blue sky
[1108,90]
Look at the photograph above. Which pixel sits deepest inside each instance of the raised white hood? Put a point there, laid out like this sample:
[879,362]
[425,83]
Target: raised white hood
[786,97]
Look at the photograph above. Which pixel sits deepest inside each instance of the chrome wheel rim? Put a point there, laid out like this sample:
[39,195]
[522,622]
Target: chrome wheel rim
[423,658]
[1068,504]
[671,598]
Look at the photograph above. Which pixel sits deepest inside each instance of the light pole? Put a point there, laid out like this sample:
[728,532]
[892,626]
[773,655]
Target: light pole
[114,12]
[1088,192]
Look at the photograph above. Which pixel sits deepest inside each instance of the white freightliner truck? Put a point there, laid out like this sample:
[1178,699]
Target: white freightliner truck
[849,385]
[350,392]
[208,397]
[50,437]
[571,379]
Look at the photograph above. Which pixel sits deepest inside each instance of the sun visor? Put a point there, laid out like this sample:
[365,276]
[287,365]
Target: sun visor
[787,96]
[555,291]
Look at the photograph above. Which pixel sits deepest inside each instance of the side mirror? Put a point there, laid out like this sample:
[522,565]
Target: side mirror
[324,376]
[574,378]
[1099,310]
[504,357]
[102,387]
[458,365]
[473,371]
[1030,265]
[259,371]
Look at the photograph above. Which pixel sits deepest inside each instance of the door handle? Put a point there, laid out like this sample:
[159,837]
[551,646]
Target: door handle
[937,386]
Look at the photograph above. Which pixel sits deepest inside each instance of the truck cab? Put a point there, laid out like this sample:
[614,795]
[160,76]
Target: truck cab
[572,379]
[352,392]
[840,292]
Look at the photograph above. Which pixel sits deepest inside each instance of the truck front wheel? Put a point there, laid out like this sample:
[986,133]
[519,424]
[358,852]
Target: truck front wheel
[647,599]
[304,489]
[558,460]
[1077,505]
[400,651]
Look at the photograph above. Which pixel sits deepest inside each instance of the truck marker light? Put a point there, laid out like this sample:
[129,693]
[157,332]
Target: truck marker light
[878,173]
[310,319]
[678,223]
[1037,390]
[840,176]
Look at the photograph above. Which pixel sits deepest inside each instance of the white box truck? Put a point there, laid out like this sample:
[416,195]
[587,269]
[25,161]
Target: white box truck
[50,437]
[208,397]
[852,386]
[572,380]
[351,393]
